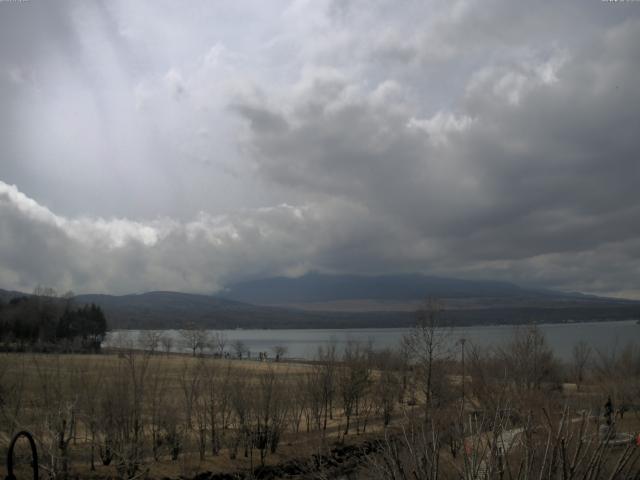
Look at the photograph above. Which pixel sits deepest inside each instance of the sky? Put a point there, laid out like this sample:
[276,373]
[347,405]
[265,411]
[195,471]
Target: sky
[172,145]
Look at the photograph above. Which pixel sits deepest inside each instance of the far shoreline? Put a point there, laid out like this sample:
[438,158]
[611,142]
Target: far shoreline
[384,327]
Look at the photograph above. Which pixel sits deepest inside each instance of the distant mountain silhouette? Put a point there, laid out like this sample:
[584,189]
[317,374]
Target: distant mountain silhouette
[147,310]
[177,310]
[315,287]
[350,301]
[6,295]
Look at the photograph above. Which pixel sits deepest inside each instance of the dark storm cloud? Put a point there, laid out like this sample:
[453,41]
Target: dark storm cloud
[182,147]
[539,159]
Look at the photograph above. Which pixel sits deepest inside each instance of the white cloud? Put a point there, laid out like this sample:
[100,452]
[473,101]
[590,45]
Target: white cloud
[512,83]
[119,255]
[441,125]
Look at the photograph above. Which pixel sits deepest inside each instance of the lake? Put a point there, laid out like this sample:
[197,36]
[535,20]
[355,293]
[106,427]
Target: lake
[304,343]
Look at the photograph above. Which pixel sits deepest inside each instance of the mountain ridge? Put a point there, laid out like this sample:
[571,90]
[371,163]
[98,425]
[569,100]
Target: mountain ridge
[316,287]
[333,304]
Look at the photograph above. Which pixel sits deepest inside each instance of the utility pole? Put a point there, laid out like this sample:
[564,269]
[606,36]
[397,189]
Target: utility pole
[462,342]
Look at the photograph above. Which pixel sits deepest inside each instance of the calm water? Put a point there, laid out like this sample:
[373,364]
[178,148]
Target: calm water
[304,343]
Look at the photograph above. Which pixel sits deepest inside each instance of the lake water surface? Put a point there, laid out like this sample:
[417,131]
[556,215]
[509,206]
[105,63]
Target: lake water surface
[304,343]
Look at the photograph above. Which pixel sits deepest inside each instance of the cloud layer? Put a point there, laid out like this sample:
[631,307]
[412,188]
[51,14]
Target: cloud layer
[471,139]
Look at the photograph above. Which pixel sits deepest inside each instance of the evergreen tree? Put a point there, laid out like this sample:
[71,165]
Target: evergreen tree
[28,320]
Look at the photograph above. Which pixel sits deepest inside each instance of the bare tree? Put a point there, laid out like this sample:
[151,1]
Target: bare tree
[489,384]
[123,421]
[201,408]
[219,343]
[427,344]
[529,359]
[327,359]
[12,394]
[241,400]
[194,339]
[279,351]
[239,348]
[269,413]
[190,385]
[617,374]
[581,355]
[172,429]
[149,340]
[561,447]
[60,415]
[158,385]
[313,398]
[298,404]
[216,385]
[354,378]
[90,387]
[167,343]
[387,383]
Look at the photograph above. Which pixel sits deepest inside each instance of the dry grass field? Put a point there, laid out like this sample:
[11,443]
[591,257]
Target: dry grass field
[134,414]
[171,415]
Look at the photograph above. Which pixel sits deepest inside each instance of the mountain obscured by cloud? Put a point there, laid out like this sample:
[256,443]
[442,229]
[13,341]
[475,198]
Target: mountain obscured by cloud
[163,145]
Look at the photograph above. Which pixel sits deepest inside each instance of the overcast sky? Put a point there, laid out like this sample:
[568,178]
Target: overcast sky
[184,145]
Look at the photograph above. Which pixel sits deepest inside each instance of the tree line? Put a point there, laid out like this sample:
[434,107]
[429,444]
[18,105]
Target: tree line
[45,321]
